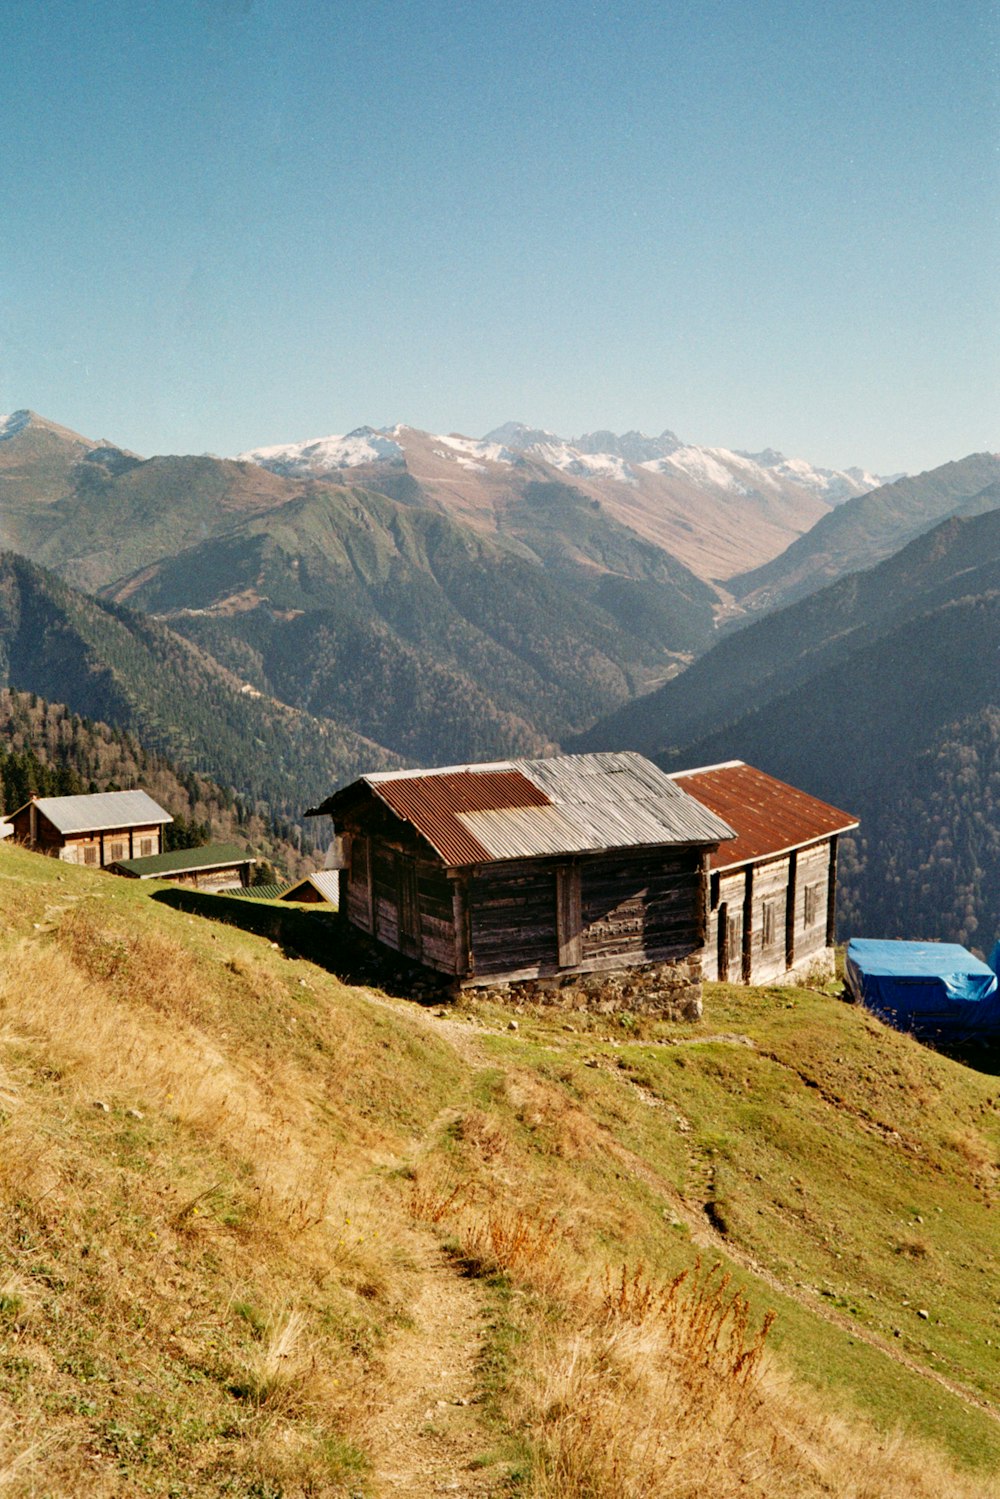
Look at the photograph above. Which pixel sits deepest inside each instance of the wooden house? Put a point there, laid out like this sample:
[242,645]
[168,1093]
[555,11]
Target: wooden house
[94,830]
[527,869]
[216,866]
[773,896]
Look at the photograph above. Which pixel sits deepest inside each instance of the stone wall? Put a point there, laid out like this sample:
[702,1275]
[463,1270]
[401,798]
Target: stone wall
[669,990]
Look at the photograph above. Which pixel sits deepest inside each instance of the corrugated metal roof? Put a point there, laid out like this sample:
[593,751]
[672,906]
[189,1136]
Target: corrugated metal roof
[186,860]
[570,804]
[621,799]
[326,882]
[518,831]
[257,892]
[770,817]
[103,810]
[433,802]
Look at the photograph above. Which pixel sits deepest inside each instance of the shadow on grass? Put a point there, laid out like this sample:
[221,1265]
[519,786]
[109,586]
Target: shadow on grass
[325,938]
[981,1056]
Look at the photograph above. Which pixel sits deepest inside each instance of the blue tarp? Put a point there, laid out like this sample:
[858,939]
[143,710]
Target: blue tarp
[937,990]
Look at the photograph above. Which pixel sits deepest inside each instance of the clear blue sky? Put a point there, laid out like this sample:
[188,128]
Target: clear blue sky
[235,222]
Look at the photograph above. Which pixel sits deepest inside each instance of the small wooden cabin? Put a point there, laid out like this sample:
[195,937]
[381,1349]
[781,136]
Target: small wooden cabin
[527,869]
[216,866]
[94,830]
[773,900]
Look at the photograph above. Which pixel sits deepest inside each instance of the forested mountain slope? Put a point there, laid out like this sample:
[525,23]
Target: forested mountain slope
[880,693]
[869,528]
[750,667]
[440,643]
[109,663]
[45,750]
[904,734]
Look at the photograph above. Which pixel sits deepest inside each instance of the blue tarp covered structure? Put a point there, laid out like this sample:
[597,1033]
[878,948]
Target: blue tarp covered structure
[937,990]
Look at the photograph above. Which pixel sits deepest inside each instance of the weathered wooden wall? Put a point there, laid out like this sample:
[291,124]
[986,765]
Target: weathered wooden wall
[786,899]
[524,917]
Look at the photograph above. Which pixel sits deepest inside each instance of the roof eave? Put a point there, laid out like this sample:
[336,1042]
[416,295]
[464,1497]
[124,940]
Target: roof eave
[790,848]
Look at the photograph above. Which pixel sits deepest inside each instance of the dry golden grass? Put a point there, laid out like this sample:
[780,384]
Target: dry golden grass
[218,1169]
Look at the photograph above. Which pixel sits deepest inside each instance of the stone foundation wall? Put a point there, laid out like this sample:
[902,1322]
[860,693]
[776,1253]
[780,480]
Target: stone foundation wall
[669,990]
[814,968]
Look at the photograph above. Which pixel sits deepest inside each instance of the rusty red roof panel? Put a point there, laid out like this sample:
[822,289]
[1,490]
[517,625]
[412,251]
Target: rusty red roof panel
[432,802]
[770,817]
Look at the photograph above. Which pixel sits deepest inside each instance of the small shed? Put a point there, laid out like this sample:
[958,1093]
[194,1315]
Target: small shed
[773,898]
[95,830]
[320,887]
[528,869]
[217,866]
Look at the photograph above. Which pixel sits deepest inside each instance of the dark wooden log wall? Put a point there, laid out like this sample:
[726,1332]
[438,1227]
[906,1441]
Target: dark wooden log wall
[645,907]
[512,909]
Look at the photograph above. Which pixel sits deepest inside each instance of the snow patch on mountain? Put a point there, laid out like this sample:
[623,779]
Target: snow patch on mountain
[702,465]
[351,450]
[570,460]
[834,485]
[474,453]
[596,456]
[16,422]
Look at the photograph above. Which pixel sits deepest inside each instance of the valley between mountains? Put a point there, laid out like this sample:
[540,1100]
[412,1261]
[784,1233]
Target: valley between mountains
[282,621]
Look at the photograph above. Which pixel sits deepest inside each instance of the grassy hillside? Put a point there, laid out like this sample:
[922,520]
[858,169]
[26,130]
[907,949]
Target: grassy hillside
[127,670]
[268,1233]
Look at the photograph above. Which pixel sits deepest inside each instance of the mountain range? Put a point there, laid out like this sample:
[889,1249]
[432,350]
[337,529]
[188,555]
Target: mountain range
[394,597]
[715,510]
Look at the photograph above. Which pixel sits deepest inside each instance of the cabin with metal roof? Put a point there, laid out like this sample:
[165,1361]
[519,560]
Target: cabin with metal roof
[322,887]
[773,893]
[214,866]
[94,830]
[527,869]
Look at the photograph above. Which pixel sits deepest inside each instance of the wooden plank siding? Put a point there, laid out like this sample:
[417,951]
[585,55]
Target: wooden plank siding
[521,918]
[93,849]
[785,901]
[647,908]
[513,923]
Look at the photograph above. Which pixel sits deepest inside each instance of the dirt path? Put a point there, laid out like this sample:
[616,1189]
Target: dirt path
[689,1209]
[426,1432]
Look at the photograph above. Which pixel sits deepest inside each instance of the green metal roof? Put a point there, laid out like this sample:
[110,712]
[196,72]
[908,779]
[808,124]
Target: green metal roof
[185,860]
[258,892]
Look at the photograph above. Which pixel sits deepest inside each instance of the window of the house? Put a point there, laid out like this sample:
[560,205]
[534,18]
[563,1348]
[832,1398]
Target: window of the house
[735,935]
[811,905]
[767,923]
[117,850]
[145,847]
[90,855]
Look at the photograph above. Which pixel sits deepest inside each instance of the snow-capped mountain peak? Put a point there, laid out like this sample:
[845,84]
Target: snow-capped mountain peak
[352,449]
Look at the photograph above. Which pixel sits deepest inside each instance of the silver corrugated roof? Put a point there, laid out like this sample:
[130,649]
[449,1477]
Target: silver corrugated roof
[325,881]
[105,809]
[622,800]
